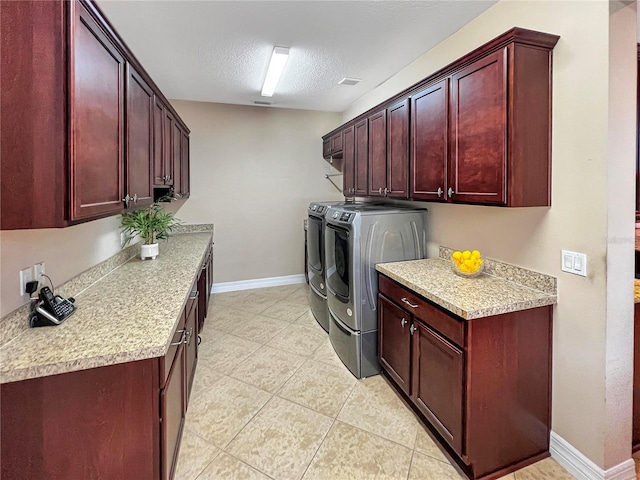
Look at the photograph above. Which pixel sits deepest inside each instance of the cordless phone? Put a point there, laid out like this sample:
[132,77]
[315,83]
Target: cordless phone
[51,309]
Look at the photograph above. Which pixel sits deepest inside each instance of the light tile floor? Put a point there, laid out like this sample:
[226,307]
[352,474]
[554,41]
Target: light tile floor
[271,400]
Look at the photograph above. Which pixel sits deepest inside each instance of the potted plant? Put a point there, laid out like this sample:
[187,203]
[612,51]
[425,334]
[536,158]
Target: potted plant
[151,224]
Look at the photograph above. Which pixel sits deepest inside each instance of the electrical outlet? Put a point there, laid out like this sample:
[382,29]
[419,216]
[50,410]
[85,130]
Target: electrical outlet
[38,271]
[26,275]
[573,262]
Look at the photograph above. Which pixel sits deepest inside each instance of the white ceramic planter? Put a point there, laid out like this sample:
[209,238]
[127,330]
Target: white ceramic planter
[149,251]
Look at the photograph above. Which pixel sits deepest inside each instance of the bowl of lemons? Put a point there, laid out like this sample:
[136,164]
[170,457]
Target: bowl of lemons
[467,263]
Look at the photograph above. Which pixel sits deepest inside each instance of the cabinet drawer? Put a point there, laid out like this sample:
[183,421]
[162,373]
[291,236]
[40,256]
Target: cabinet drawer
[167,360]
[445,324]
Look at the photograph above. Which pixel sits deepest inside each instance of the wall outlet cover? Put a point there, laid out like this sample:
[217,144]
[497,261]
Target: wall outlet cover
[26,275]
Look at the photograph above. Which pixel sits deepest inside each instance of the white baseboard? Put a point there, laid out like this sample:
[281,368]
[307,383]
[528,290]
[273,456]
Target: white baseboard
[257,283]
[578,465]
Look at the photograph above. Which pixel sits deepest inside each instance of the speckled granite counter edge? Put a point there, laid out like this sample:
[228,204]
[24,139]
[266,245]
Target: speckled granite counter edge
[519,275]
[470,314]
[19,374]
[14,323]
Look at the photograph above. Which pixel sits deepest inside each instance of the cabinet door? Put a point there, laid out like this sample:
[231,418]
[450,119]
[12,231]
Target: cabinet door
[177,157]
[361,157]
[348,162]
[172,408]
[378,153]
[429,142]
[158,143]
[479,131]
[139,162]
[326,148]
[437,383]
[398,150]
[185,175]
[191,347]
[336,143]
[97,120]
[635,431]
[395,342]
[167,147]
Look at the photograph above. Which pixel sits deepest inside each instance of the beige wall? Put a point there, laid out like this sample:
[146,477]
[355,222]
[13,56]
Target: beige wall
[65,251]
[254,170]
[592,212]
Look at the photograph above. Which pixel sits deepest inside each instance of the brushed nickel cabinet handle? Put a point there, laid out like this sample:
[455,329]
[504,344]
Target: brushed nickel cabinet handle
[181,341]
[450,192]
[440,192]
[404,299]
[403,322]
[412,328]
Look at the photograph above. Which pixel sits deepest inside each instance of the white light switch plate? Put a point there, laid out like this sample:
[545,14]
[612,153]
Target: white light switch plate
[574,262]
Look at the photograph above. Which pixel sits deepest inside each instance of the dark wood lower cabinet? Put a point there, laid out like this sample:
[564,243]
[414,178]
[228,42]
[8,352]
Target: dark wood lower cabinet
[173,408]
[100,423]
[395,342]
[636,378]
[438,378]
[117,422]
[205,282]
[482,386]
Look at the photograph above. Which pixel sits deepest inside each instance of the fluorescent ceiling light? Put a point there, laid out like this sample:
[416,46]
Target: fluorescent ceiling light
[276,66]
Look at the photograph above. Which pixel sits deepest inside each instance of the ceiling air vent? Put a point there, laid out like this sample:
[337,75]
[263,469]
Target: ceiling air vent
[261,102]
[349,81]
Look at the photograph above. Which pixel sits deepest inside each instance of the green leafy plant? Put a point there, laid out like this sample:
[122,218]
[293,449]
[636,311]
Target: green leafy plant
[151,224]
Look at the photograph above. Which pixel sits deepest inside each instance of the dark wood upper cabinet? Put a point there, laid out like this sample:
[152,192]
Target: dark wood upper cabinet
[176,143]
[185,176]
[140,110]
[361,132]
[80,130]
[429,145]
[348,162]
[479,120]
[168,137]
[480,129]
[397,184]
[97,113]
[160,157]
[378,153]
[326,148]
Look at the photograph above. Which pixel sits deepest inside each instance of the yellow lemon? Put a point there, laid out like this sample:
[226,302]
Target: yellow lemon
[476,254]
[456,255]
[466,254]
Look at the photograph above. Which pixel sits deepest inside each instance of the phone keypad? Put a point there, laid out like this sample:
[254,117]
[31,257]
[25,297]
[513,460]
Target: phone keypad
[63,308]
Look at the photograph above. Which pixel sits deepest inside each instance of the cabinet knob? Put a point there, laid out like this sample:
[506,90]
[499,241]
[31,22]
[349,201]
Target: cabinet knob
[168,178]
[412,328]
[352,190]
[380,190]
[440,192]
[403,322]
[450,192]
[126,200]
[386,191]
[135,198]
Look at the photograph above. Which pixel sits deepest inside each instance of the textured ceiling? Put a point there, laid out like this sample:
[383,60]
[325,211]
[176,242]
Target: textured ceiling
[218,51]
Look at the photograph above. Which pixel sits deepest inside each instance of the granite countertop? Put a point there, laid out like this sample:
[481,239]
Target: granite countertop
[130,314]
[468,298]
